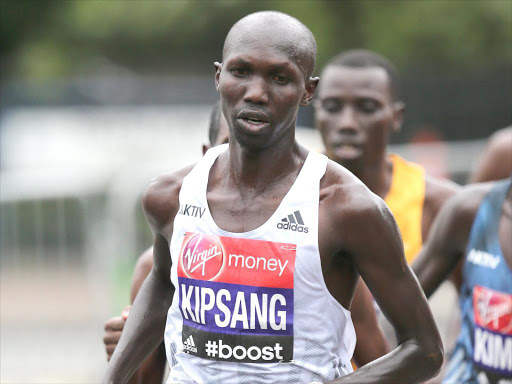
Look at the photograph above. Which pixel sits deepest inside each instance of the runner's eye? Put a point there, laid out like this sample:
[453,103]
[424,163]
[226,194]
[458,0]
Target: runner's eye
[368,105]
[239,72]
[331,105]
[280,79]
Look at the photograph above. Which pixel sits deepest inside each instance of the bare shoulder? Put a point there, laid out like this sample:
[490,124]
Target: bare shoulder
[346,197]
[160,201]
[354,221]
[501,140]
[496,161]
[500,151]
[437,192]
[462,207]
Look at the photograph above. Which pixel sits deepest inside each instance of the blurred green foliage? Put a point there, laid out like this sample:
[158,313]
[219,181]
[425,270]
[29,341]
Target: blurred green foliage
[50,39]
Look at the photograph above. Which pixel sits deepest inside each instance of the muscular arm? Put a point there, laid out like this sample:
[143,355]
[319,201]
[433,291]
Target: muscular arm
[448,238]
[144,328]
[153,367]
[370,239]
[437,193]
[371,343]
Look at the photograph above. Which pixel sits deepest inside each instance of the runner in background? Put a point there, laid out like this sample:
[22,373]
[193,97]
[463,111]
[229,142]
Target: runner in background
[495,163]
[358,107]
[475,228]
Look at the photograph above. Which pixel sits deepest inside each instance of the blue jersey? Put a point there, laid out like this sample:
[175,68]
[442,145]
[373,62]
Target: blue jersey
[483,353]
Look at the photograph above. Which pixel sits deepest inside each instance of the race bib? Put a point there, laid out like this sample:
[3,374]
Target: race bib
[236,298]
[493,330]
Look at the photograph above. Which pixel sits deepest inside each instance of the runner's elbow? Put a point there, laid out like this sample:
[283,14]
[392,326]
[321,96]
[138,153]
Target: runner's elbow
[434,358]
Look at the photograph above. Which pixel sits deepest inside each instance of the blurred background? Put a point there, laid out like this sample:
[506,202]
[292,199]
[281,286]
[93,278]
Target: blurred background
[99,97]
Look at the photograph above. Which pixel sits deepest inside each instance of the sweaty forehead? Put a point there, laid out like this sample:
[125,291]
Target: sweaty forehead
[354,80]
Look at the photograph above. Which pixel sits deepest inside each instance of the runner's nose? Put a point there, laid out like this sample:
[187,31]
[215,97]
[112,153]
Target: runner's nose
[257,91]
[347,120]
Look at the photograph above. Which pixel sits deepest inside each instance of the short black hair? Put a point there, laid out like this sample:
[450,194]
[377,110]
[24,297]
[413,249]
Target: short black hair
[362,58]
[213,129]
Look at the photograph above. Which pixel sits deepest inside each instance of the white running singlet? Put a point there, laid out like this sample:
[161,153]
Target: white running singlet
[253,307]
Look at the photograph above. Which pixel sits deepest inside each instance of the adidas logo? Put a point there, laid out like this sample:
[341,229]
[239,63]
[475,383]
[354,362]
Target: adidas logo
[189,345]
[293,222]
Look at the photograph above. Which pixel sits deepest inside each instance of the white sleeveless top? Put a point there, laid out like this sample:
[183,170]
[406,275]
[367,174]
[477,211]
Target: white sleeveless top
[253,307]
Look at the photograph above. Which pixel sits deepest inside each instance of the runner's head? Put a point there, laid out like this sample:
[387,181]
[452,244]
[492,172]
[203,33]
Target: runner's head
[218,130]
[358,106]
[265,75]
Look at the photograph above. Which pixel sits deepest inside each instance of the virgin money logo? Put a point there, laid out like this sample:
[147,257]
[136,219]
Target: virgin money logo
[492,309]
[202,257]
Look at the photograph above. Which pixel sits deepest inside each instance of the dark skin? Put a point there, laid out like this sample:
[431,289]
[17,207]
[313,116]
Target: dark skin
[494,164]
[371,344]
[496,161]
[450,235]
[355,115]
[260,96]
[153,368]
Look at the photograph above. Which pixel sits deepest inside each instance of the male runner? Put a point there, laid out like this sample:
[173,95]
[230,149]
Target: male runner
[494,164]
[152,369]
[263,279]
[475,226]
[358,106]
[371,342]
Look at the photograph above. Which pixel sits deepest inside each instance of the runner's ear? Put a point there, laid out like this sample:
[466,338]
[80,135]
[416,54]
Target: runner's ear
[310,89]
[398,115]
[218,69]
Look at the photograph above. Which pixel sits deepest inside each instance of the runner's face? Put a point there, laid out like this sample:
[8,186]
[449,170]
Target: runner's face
[355,113]
[261,89]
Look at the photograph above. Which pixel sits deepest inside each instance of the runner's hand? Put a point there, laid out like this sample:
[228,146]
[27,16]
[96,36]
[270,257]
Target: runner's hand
[113,329]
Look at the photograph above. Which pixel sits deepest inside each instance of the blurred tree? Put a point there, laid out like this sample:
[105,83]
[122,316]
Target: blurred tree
[45,39]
